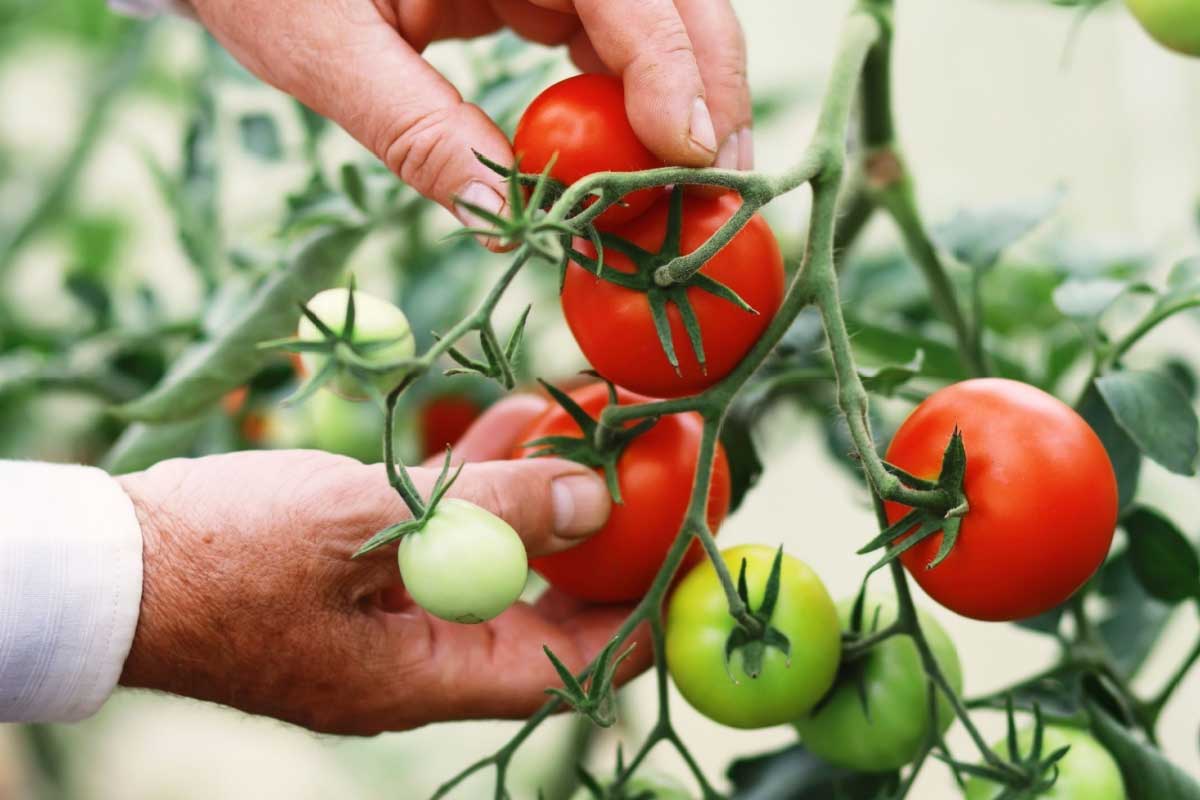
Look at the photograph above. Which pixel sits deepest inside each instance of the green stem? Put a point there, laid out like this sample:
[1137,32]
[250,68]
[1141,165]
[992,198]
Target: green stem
[397,475]
[1155,317]
[1159,701]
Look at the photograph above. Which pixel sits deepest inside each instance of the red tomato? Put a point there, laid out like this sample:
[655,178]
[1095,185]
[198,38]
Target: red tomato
[443,421]
[615,329]
[1042,495]
[582,120]
[655,472]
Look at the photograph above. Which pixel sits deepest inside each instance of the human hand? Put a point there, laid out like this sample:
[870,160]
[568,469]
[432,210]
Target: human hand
[358,62]
[250,598]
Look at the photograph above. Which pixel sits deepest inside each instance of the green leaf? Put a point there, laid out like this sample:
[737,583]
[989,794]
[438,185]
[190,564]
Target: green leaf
[1122,451]
[1131,620]
[745,464]
[232,356]
[1185,276]
[1157,416]
[260,136]
[353,186]
[1163,559]
[1148,774]
[142,446]
[1085,299]
[796,774]
[887,379]
[978,238]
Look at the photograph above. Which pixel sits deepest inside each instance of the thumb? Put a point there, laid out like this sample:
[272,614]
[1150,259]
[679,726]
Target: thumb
[552,504]
[346,62]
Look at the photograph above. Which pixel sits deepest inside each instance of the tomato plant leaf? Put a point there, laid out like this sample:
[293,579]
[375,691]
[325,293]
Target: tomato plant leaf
[232,356]
[1157,416]
[1163,559]
[1086,299]
[796,774]
[885,380]
[1132,619]
[1148,774]
[977,238]
[1122,451]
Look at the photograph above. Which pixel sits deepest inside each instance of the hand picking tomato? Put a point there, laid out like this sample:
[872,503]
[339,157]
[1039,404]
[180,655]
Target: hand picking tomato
[580,123]
[699,624]
[654,473]
[443,419]
[1042,495]
[465,565]
[1086,772]
[375,320]
[1175,24]
[614,325]
[876,717]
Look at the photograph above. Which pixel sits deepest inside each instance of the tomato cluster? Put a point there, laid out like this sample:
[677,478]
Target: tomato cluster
[580,123]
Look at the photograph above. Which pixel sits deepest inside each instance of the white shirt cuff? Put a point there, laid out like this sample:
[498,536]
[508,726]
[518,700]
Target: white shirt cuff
[70,589]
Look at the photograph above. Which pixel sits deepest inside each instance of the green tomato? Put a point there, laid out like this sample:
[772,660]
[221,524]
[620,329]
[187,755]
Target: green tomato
[336,425]
[645,785]
[375,320]
[1175,24]
[1086,772]
[890,732]
[698,625]
[465,565]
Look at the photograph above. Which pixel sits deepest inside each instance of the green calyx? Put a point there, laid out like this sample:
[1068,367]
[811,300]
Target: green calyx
[587,448]
[1023,775]
[597,699]
[752,641]
[421,515]
[945,516]
[345,354]
[498,359]
[527,224]
[646,264]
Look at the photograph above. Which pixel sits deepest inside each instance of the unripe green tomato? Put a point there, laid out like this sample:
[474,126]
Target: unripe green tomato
[374,320]
[465,565]
[340,426]
[1086,772]
[649,785]
[895,726]
[1175,24]
[698,625]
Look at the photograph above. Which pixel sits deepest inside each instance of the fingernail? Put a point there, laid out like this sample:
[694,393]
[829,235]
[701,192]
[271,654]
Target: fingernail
[701,132]
[478,194]
[746,148]
[581,505]
[730,152]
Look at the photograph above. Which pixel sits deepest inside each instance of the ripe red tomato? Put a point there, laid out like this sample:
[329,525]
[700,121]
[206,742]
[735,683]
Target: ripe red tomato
[443,420]
[614,326]
[1042,494]
[655,471]
[582,121]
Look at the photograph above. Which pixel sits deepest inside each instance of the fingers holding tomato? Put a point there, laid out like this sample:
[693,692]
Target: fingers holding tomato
[1041,491]
[654,474]
[579,124]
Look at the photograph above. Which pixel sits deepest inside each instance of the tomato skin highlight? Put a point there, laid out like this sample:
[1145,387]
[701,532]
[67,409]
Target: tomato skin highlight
[1086,772]
[580,122]
[618,563]
[896,725]
[1042,495]
[698,624]
[443,420]
[615,329]
[1175,24]
[466,565]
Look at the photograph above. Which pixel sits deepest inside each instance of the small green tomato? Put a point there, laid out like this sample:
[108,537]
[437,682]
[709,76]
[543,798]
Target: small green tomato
[1175,24]
[465,565]
[375,320]
[1086,772]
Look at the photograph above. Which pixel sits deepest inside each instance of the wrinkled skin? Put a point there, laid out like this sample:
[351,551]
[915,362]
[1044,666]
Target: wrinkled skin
[250,598]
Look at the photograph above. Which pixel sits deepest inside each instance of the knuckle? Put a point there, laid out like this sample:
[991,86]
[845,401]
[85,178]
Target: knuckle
[420,148]
[669,47]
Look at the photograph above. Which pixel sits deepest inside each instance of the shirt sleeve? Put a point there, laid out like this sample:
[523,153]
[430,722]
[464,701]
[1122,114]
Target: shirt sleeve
[70,589]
